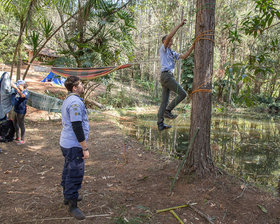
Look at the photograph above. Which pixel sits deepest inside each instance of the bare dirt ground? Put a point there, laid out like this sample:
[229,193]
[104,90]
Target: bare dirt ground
[124,183]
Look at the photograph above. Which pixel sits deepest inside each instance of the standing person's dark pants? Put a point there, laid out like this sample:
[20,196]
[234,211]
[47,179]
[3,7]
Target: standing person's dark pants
[169,83]
[73,172]
[19,124]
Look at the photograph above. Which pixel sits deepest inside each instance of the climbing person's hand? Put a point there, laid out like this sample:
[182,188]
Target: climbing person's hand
[183,22]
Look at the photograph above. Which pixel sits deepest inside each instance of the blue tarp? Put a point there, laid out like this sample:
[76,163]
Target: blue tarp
[51,77]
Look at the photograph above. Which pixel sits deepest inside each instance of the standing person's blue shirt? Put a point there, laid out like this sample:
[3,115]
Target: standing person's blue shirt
[73,109]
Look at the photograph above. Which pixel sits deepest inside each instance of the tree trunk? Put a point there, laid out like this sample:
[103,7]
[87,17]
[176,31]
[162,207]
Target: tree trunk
[223,55]
[180,48]
[155,71]
[18,61]
[199,159]
[258,83]
[190,19]
[273,85]
[232,62]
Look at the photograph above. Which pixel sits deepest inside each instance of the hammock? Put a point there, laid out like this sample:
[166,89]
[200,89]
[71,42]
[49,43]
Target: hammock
[44,102]
[53,104]
[87,73]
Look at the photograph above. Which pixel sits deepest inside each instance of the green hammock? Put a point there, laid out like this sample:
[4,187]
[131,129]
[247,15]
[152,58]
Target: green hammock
[44,102]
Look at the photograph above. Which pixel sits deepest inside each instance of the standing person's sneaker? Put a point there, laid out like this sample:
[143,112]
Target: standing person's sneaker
[66,201]
[21,142]
[75,211]
[162,126]
[169,115]
[17,139]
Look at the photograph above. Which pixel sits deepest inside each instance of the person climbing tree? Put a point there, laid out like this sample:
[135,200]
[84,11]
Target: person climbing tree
[168,82]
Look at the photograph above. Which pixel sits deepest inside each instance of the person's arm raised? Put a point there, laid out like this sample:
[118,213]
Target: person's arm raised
[172,33]
[18,90]
[185,55]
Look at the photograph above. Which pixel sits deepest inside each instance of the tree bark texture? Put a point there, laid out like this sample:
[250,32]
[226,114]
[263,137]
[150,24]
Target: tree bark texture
[199,159]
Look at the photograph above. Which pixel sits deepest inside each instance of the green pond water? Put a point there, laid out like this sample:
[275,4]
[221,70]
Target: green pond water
[243,144]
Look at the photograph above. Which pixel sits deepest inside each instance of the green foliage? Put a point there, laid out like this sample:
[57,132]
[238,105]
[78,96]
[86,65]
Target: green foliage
[101,37]
[233,34]
[34,40]
[246,97]
[187,73]
[258,63]
[145,84]
[119,100]
[7,44]
[264,99]
[255,25]
[47,28]
[64,62]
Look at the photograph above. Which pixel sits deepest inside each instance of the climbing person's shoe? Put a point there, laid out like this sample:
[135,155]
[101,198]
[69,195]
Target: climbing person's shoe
[66,201]
[169,115]
[162,126]
[75,211]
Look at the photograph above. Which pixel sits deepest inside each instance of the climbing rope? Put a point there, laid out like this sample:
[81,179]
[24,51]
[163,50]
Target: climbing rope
[201,37]
[202,90]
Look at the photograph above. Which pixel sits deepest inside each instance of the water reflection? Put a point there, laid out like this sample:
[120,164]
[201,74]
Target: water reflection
[246,147]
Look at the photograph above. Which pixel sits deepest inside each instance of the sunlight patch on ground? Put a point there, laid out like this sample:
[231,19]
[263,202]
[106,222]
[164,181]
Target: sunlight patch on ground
[34,148]
[90,163]
[109,132]
[33,130]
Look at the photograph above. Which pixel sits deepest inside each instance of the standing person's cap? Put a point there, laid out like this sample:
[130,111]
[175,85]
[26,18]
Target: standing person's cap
[20,82]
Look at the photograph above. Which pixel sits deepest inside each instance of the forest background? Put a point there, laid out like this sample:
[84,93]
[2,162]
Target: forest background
[95,33]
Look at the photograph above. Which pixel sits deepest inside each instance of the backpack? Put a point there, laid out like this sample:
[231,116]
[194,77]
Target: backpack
[7,131]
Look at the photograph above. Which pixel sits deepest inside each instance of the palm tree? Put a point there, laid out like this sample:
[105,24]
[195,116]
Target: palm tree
[22,11]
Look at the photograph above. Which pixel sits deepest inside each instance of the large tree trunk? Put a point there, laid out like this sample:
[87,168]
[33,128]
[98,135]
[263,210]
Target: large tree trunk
[199,159]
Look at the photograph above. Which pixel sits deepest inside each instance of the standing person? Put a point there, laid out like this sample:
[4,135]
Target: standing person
[20,109]
[167,58]
[73,143]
